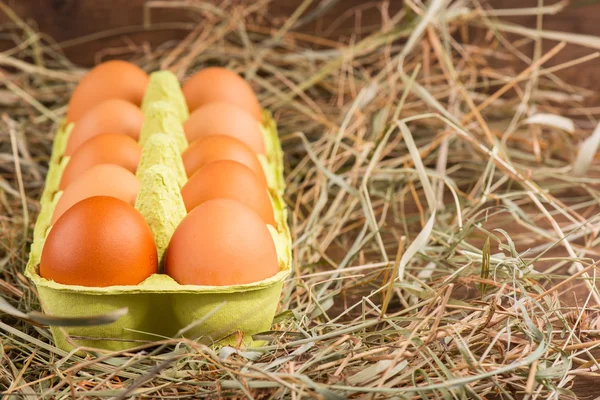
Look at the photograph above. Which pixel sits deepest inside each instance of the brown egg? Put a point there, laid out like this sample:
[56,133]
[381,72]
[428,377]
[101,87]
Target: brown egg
[221,147]
[219,84]
[100,241]
[226,179]
[102,149]
[110,116]
[221,242]
[100,180]
[109,80]
[224,119]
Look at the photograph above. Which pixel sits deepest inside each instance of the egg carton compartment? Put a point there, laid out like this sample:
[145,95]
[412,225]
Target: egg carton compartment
[159,307]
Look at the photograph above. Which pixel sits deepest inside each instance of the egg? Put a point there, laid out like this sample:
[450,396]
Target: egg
[226,179]
[219,84]
[225,119]
[100,241]
[221,147]
[111,79]
[100,180]
[110,116]
[221,242]
[102,149]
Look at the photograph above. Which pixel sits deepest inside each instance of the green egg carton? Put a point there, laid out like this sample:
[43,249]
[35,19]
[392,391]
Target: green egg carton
[159,307]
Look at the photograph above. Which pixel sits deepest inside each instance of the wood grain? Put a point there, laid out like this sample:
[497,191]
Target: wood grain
[65,20]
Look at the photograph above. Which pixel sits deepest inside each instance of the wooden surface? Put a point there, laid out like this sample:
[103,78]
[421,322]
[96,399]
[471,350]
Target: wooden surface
[65,20]
[581,18]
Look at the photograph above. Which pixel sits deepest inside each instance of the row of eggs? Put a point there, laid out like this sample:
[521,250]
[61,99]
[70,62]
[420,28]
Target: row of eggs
[99,239]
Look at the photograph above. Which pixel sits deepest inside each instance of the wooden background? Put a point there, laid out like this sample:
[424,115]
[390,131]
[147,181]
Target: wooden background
[65,20]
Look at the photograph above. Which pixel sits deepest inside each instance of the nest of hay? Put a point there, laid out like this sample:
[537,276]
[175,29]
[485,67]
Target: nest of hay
[443,199]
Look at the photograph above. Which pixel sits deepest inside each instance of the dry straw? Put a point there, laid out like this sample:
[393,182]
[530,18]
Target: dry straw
[444,217]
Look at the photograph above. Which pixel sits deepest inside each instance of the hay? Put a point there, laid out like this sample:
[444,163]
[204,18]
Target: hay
[444,220]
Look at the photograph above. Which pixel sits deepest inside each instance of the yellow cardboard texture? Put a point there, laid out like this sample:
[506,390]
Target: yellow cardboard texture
[160,202]
[164,85]
[159,307]
[273,148]
[162,117]
[161,149]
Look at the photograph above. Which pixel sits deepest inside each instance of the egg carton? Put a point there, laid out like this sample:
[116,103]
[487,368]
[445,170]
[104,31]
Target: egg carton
[159,307]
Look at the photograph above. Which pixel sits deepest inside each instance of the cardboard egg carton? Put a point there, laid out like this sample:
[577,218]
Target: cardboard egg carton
[159,307]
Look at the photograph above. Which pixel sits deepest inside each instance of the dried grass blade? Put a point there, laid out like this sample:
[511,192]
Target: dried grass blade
[423,237]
